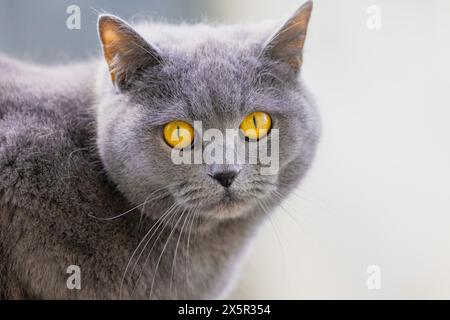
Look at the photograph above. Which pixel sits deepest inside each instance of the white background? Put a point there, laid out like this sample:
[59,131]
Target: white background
[379,192]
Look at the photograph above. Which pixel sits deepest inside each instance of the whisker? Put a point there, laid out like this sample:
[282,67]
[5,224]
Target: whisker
[176,250]
[160,256]
[266,212]
[279,196]
[137,248]
[162,196]
[305,196]
[320,205]
[128,211]
[188,260]
[164,222]
[117,216]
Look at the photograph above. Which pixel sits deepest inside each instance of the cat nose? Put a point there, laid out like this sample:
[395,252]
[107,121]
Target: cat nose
[225,178]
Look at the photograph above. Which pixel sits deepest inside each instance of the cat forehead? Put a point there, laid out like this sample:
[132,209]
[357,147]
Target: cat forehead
[218,110]
[209,73]
[202,91]
[226,54]
[187,37]
[208,49]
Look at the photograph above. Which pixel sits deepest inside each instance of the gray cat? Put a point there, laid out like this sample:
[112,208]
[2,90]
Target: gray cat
[86,175]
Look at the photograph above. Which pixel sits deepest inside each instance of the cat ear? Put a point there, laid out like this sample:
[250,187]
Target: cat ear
[286,46]
[125,51]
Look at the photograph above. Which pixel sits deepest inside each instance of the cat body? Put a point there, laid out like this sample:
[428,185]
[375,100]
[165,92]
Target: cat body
[86,180]
[53,187]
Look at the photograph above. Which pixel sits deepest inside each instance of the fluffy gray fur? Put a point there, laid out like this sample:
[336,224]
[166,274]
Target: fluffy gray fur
[86,178]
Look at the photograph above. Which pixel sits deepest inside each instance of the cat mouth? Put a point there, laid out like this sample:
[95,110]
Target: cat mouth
[228,200]
[229,197]
[225,202]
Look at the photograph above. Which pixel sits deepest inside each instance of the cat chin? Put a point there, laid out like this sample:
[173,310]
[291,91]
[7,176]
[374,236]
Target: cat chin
[228,205]
[227,210]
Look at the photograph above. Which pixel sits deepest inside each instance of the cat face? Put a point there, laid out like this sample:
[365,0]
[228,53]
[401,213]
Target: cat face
[218,80]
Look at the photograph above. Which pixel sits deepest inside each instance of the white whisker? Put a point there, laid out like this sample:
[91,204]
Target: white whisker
[176,250]
[169,215]
[160,256]
[137,248]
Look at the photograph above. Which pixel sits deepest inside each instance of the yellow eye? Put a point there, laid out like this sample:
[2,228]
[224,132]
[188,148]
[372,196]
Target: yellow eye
[178,134]
[256,125]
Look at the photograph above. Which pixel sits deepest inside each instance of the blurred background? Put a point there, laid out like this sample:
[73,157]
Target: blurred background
[372,218]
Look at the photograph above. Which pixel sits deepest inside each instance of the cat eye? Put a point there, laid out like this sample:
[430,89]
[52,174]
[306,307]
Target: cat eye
[178,134]
[256,125]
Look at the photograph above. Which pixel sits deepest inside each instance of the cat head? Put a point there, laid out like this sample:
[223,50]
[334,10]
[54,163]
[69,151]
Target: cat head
[170,92]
